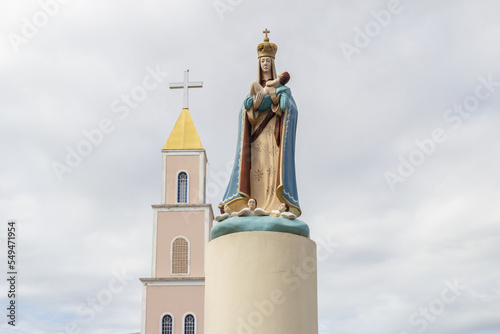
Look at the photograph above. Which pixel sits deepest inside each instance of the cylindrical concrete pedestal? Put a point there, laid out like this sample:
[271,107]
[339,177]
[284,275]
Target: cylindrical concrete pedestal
[261,283]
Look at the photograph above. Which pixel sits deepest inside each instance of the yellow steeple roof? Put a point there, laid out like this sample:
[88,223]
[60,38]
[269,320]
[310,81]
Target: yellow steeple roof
[184,135]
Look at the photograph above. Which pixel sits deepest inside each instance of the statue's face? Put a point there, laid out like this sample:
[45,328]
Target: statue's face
[282,207]
[227,209]
[251,204]
[265,64]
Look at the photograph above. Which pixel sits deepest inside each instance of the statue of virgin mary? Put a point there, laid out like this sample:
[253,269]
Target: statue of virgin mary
[264,164]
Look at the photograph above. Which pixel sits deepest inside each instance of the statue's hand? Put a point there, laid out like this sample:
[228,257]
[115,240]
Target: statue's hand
[275,98]
[258,100]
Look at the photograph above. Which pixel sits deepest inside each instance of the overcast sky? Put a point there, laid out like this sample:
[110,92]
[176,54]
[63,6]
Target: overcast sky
[398,153]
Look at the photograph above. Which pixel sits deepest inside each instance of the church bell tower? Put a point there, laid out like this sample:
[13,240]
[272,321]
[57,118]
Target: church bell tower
[173,297]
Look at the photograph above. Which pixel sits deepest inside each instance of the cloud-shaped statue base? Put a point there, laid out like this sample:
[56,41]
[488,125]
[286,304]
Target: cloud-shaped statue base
[260,223]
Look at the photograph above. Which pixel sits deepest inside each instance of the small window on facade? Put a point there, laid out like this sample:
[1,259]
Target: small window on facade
[180,256]
[166,325]
[182,188]
[189,324]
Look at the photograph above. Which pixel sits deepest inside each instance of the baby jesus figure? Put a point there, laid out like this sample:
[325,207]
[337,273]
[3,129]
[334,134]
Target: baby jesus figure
[258,92]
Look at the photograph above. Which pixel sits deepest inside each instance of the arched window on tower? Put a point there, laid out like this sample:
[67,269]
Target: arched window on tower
[189,324]
[180,256]
[182,187]
[166,324]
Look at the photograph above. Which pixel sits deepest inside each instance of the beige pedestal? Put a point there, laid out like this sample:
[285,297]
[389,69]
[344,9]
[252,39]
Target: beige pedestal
[261,283]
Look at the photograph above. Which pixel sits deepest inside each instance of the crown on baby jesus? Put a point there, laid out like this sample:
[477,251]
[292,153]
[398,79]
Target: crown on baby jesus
[266,49]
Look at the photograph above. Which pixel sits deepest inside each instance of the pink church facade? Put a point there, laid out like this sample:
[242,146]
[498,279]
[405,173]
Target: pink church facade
[173,297]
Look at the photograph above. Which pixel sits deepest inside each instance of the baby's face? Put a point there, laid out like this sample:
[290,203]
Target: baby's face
[280,75]
[251,204]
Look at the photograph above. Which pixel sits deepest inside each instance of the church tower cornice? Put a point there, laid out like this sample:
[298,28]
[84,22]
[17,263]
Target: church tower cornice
[181,206]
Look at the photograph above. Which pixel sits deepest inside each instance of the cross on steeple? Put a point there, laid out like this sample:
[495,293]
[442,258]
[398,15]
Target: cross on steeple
[186,85]
[266,32]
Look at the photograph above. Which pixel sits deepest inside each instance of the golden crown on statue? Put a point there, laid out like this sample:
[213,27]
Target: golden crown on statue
[267,49]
